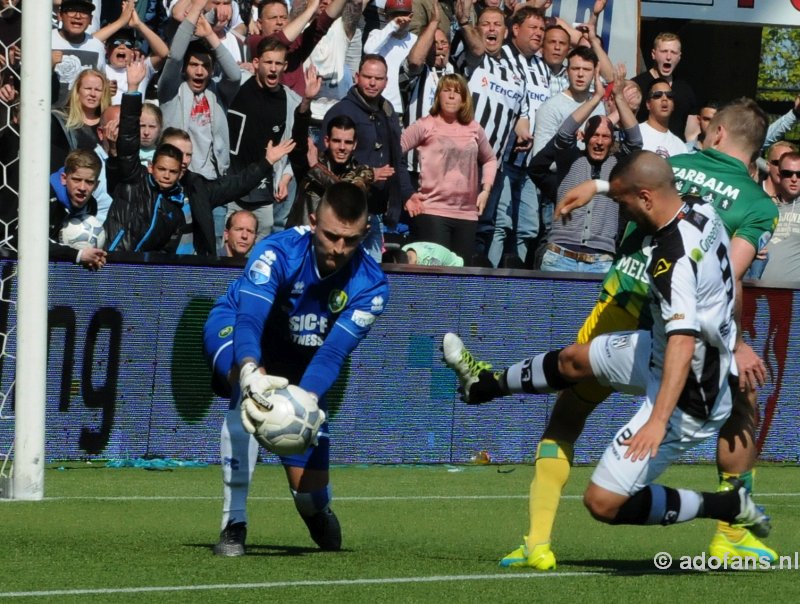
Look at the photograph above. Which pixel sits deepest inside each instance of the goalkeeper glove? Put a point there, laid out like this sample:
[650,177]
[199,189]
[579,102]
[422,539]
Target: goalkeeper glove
[257,385]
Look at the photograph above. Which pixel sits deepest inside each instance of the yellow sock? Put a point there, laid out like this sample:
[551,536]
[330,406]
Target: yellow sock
[733,534]
[553,461]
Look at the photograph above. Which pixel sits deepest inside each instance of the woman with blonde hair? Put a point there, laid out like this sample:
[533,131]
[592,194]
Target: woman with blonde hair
[457,169]
[75,126]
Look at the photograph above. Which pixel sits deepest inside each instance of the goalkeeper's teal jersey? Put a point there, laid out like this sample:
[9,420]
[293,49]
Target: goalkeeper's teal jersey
[718,179]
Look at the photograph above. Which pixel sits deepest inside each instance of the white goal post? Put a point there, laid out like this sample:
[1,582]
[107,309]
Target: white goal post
[26,477]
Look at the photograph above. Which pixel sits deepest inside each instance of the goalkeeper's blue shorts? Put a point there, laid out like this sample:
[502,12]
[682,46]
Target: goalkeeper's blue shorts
[314,458]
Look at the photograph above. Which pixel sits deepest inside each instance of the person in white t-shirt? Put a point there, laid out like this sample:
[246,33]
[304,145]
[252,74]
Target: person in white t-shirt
[76,50]
[393,43]
[120,38]
[656,134]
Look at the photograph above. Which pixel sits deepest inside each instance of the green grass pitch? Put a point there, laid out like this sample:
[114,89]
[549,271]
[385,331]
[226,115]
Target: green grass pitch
[410,534]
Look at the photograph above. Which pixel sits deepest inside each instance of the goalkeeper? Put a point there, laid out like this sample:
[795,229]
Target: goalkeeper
[718,175]
[307,297]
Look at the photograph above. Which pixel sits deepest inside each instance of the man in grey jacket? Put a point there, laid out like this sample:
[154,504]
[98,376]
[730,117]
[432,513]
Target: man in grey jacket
[192,99]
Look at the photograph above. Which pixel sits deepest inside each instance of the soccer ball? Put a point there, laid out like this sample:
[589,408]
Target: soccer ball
[290,422]
[82,232]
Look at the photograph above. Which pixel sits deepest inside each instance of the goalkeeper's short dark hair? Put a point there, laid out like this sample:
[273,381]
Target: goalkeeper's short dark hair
[347,200]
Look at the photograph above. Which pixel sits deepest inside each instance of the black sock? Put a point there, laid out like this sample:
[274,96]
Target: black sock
[657,504]
[723,506]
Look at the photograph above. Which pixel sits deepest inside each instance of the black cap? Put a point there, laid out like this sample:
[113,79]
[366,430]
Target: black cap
[126,33]
[84,6]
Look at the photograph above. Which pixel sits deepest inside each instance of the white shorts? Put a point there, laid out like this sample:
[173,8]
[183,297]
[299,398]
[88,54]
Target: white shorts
[622,360]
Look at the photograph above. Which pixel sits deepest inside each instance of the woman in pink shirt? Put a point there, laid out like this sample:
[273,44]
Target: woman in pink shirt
[452,190]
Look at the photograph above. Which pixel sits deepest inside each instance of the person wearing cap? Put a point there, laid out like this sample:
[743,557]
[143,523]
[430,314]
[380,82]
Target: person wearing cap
[75,49]
[119,36]
[393,43]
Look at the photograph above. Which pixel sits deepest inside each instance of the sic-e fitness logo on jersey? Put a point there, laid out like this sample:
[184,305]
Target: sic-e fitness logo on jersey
[308,329]
[261,270]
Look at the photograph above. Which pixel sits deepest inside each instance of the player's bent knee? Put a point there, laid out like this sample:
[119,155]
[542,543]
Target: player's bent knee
[573,362]
[554,449]
[305,480]
[599,507]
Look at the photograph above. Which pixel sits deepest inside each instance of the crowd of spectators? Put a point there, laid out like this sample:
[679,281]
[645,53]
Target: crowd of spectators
[206,125]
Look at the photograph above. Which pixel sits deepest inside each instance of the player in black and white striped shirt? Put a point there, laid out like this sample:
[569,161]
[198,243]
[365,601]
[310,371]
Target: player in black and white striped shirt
[683,366]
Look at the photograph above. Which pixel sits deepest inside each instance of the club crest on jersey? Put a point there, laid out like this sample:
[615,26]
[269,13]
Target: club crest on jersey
[662,266]
[619,342]
[225,331]
[337,300]
[261,270]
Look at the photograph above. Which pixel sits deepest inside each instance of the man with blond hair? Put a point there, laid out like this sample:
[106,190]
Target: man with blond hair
[666,55]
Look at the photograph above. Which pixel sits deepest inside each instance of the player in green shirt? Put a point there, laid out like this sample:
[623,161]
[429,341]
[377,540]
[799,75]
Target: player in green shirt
[720,176]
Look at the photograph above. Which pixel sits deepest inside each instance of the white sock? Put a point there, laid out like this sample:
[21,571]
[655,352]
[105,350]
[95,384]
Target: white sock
[239,453]
[690,504]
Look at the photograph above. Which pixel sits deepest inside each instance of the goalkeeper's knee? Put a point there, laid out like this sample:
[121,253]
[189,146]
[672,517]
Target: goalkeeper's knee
[309,504]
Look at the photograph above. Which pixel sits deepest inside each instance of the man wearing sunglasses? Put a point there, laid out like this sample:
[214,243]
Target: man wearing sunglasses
[784,247]
[772,180]
[660,102]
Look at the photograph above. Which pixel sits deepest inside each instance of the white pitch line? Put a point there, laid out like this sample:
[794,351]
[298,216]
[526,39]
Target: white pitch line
[352,498]
[318,583]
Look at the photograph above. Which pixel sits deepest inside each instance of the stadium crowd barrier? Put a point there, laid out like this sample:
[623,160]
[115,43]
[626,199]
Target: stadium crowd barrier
[126,377]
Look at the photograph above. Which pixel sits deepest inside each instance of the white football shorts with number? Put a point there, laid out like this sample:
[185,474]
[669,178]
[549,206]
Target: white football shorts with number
[622,361]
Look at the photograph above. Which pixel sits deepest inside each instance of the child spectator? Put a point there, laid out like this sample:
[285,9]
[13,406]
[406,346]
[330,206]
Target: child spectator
[71,191]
